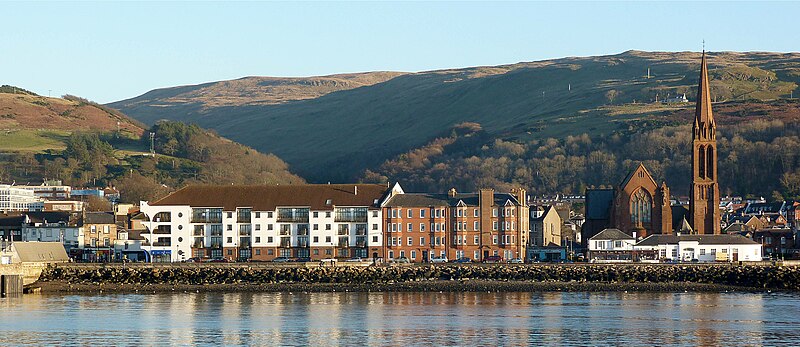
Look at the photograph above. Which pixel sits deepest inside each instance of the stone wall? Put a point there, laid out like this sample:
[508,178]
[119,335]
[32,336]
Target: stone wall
[751,276]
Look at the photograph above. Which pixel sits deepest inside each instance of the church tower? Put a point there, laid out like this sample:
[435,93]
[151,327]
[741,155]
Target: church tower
[704,202]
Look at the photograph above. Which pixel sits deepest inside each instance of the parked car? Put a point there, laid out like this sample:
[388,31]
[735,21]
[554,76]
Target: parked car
[493,259]
[463,260]
[438,260]
[194,260]
[354,260]
[302,259]
[401,260]
[516,261]
[281,260]
[220,260]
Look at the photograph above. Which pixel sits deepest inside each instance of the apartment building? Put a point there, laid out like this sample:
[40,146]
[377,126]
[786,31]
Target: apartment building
[421,226]
[13,198]
[265,222]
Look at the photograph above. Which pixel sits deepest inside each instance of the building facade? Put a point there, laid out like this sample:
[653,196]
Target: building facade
[13,198]
[545,227]
[261,223]
[421,226]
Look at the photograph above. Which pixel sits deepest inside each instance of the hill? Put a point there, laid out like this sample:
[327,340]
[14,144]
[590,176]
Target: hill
[335,136]
[82,143]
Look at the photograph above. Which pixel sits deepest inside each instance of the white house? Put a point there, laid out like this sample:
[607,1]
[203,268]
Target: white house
[53,227]
[703,248]
[13,198]
[314,221]
[611,245]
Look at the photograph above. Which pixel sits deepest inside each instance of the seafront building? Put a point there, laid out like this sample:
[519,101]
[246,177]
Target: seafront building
[315,221]
[13,198]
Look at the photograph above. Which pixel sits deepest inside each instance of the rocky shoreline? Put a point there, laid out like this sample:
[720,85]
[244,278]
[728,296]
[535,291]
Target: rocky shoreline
[446,278]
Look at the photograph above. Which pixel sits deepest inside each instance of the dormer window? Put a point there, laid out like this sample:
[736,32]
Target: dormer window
[328,202]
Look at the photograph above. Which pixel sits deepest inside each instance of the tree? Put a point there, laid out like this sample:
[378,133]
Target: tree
[134,188]
[98,204]
[611,95]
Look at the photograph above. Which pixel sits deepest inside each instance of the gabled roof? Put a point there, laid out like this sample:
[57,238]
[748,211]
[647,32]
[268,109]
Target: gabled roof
[547,210]
[655,240]
[639,168]
[764,207]
[47,252]
[612,234]
[99,218]
[441,199]
[267,198]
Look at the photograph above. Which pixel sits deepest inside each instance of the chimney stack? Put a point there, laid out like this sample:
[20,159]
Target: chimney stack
[355,190]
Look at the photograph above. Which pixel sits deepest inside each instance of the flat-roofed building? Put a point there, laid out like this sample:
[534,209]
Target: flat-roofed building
[13,198]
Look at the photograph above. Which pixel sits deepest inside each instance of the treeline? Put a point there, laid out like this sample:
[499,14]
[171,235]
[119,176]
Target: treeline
[756,158]
[186,154]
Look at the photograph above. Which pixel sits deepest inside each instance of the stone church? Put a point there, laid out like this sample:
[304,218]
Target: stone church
[639,206]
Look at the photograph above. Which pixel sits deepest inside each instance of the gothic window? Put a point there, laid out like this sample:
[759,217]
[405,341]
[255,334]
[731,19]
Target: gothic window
[641,207]
[701,162]
[710,163]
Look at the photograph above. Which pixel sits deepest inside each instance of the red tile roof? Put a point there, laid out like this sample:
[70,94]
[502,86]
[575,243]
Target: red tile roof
[267,198]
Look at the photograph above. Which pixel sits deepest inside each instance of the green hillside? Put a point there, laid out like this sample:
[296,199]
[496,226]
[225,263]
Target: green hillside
[335,136]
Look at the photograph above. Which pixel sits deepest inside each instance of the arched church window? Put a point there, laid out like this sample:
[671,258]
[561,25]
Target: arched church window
[701,162]
[641,207]
[710,163]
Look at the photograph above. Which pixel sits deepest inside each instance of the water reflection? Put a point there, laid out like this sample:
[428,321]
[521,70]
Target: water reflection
[447,319]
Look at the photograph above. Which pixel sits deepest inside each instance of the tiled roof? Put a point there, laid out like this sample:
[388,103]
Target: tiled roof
[267,198]
[763,207]
[612,234]
[655,240]
[427,199]
[99,218]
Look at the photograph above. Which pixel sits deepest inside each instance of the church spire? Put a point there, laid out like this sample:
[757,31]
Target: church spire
[703,117]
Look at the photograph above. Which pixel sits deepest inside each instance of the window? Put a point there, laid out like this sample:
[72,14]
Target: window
[475,212]
[375,214]
[374,226]
[327,239]
[410,213]
[230,227]
[270,251]
[230,251]
[327,227]
[316,239]
[315,214]
[477,239]
[106,242]
[410,241]
[375,239]
[269,239]
[230,215]
[269,226]
[269,214]
[410,227]
[258,214]
[422,241]
[327,252]
[316,226]
[421,226]
[258,239]
[391,254]
[258,227]
[617,244]
[438,213]
[475,225]
[494,212]
[258,251]
[494,239]
[421,213]
[413,253]
[230,239]
[702,251]
[641,207]
[494,225]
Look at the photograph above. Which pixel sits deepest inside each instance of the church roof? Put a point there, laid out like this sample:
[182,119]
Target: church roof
[702,113]
[633,173]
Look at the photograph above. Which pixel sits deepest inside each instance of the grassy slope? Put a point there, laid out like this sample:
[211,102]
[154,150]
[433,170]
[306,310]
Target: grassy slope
[335,135]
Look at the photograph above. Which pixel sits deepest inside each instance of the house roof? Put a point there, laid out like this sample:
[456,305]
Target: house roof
[547,210]
[41,252]
[49,217]
[612,234]
[655,240]
[266,198]
[12,220]
[99,218]
[442,199]
[764,207]
[598,203]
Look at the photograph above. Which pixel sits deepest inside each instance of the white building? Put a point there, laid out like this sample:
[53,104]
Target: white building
[702,248]
[49,190]
[13,198]
[53,227]
[611,245]
[265,222]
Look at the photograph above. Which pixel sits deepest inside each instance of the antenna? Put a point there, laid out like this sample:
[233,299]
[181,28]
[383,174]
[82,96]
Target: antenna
[152,147]
[648,73]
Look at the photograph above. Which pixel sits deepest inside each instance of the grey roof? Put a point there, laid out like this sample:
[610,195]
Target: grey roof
[547,210]
[12,220]
[612,234]
[654,240]
[598,203]
[99,218]
[428,199]
[764,207]
[48,252]
[49,217]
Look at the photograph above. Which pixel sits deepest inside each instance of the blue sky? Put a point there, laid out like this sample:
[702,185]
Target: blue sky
[112,51]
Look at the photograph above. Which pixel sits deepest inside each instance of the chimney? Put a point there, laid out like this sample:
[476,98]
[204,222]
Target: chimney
[355,190]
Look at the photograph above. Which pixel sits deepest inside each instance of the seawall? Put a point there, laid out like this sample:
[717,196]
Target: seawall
[233,277]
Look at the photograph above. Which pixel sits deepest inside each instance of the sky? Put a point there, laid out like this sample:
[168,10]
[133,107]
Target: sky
[109,51]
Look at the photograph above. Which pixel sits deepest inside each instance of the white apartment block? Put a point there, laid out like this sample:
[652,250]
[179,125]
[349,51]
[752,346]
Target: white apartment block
[13,198]
[261,223]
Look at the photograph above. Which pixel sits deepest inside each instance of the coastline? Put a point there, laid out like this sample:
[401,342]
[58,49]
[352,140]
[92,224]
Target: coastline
[65,287]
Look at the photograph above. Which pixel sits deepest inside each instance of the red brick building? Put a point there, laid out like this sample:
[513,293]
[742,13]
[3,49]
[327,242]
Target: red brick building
[421,226]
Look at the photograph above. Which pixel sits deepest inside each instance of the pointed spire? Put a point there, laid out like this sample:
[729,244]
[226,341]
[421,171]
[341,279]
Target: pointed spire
[702,114]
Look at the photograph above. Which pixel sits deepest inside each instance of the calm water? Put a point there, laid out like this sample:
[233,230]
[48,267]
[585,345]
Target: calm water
[441,319]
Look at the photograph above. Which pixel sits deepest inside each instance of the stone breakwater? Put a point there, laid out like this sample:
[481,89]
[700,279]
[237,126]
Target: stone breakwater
[748,276]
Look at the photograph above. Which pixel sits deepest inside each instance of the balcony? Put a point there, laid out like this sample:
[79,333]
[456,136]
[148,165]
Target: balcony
[361,241]
[361,229]
[292,215]
[206,215]
[163,229]
[198,243]
[162,217]
[243,215]
[344,242]
[343,230]
[286,230]
[286,242]
[162,244]
[245,242]
[351,214]
[199,230]
[302,241]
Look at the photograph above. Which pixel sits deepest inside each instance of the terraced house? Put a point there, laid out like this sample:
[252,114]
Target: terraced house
[421,226]
[265,222]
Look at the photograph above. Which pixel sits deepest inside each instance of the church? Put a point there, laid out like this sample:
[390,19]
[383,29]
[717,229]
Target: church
[640,206]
